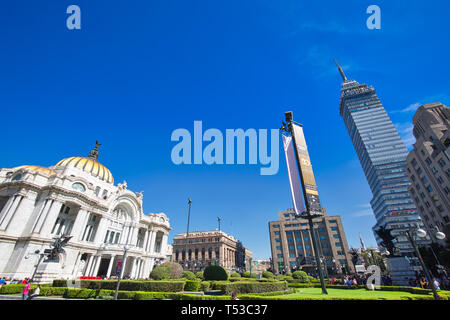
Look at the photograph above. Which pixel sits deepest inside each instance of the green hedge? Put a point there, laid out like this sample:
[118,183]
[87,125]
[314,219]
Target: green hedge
[215,273]
[205,285]
[250,287]
[128,285]
[188,275]
[192,285]
[235,275]
[199,275]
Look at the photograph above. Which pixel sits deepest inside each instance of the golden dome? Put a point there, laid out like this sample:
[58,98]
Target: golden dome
[38,168]
[88,164]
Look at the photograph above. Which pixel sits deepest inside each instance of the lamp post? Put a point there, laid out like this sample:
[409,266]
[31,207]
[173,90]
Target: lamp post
[422,234]
[125,250]
[41,257]
[187,232]
[289,127]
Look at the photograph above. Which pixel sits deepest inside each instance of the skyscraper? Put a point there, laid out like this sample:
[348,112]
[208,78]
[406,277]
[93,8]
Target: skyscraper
[382,155]
[428,167]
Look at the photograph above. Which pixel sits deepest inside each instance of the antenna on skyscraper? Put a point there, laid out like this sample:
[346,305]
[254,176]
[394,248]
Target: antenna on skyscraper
[341,71]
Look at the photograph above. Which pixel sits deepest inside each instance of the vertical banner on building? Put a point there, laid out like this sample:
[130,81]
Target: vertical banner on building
[312,195]
[294,179]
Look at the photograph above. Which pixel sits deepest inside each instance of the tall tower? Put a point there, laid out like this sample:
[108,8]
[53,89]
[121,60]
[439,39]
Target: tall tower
[382,155]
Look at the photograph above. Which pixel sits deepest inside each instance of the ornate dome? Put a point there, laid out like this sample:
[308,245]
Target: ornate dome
[38,168]
[89,164]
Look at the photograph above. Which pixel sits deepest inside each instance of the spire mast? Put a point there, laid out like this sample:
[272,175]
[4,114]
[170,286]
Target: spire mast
[341,71]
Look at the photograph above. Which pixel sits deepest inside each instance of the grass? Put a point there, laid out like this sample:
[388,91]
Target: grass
[357,294]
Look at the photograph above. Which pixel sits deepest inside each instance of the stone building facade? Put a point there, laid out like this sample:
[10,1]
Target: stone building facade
[291,244]
[76,197]
[206,248]
[428,167]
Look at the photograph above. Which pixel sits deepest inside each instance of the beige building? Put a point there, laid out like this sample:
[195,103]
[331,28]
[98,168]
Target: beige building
[428,167]
[291,245]
[206,248]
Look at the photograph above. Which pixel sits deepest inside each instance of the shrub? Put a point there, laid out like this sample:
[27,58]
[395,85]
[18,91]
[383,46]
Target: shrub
[247,275]
[267,275]
[199,275]
[235,275]
[128,285]
[300,275]
[167,270]
[288,274]
[215,273]
[80,293]
[205,285]
[189,275]
[192,285]
[250,287]
[288,278]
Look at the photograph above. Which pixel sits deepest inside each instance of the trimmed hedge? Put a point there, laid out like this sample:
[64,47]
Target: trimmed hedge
[250,287]
[235,275]
[247,275]
[205,285]
[192,285]
[167,270]
[215,273]
[268,275]
[128,285]
[188,275]
[199,275]
[301,276]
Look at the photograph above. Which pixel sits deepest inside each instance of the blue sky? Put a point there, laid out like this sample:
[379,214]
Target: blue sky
[137,70]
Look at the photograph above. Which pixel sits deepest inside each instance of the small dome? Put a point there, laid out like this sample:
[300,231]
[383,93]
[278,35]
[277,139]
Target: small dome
[90,165]
[38,168]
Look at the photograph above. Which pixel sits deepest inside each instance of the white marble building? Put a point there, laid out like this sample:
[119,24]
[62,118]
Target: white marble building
[76,197]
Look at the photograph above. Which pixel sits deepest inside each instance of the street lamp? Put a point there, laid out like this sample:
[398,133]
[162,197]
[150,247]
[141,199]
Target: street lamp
[187,232]
[422,234]
[125,250]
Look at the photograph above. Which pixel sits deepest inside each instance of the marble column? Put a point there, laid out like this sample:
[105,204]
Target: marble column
[101,230]
[6,217]
[97,266]
[7,206]
[88,266]
[134,236]
[50,219]
[151,242]
[79,224]
[144,245]
[111,262]
[164,244]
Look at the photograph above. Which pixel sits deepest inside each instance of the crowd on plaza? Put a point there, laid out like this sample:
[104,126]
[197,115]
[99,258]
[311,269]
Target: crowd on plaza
[442,282]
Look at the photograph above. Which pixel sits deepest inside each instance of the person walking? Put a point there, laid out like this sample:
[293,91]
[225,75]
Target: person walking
[26,290]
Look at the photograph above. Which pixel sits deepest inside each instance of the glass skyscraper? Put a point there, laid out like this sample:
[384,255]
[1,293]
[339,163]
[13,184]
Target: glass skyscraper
[382,155]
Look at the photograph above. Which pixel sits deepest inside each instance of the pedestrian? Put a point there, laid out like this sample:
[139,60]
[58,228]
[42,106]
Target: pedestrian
[234,296]
[36,292]
[26,290]
[436,284]
[2,282]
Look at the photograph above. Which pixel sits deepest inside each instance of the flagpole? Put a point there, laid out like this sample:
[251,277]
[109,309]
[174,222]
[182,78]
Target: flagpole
[308,215]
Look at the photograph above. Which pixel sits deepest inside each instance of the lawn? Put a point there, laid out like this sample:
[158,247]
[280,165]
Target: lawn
[357,294]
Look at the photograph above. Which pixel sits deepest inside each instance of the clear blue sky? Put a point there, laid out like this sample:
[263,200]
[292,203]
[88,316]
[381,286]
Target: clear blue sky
[137,70]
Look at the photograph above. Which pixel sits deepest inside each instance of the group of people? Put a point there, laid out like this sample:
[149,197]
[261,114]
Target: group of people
[26,289]
[440,283]
[358,279]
